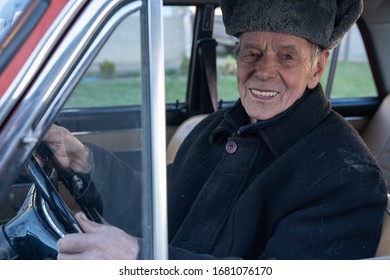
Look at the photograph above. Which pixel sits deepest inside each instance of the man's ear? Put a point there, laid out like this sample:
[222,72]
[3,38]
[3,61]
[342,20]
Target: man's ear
[318,68]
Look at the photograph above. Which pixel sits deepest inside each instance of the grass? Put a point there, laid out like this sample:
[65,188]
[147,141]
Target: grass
[94,92]
[352,80]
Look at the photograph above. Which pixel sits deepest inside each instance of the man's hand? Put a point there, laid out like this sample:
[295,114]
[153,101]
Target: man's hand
[68,150]
[98,242]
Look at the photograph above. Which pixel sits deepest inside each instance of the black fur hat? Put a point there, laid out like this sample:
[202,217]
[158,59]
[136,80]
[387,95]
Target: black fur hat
[323,22]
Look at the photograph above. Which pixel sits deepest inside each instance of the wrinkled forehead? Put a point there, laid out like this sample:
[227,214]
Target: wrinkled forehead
[264,40]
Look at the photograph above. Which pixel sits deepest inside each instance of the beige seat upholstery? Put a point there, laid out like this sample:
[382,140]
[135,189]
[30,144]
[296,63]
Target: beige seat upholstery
[377,137]
[182,131]
[384,243]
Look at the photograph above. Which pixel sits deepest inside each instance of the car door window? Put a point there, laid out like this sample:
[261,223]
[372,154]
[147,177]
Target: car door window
[352,75]
[114,77]
[109,112]
[178,31]
[226,63]
[108,99]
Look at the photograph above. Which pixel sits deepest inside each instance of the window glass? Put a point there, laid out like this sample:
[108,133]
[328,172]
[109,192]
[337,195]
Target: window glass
[113,186]
[226,63]
[178,30]
[111,125]
[114,77]
[115,70]
[353,76]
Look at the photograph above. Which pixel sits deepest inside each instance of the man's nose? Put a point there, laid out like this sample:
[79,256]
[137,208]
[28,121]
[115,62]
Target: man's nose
[265,68]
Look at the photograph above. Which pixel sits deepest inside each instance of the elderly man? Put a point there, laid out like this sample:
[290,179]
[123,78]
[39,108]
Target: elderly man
[277,176]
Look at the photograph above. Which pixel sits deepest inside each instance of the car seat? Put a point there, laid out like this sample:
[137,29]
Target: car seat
[377,137]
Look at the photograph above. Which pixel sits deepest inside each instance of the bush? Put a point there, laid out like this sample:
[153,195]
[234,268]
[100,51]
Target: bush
[106,69]
[184,65]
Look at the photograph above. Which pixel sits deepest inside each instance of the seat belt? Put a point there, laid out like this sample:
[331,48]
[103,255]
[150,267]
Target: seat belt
[208,63]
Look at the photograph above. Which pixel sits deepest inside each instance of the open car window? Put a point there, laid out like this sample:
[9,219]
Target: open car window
[112,118]
[348,73]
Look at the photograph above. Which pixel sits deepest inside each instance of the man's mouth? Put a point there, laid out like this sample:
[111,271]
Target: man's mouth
[264,93]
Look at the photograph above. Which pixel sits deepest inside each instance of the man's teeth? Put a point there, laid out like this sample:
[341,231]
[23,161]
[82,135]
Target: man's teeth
[264,93]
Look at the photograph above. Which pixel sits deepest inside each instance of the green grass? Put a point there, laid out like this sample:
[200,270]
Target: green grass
[106,92]
[95,92]
[352,80]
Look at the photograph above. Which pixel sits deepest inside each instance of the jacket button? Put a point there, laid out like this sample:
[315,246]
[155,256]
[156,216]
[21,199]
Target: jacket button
[231,147]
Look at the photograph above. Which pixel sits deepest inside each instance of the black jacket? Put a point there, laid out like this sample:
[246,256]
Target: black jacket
[299,186]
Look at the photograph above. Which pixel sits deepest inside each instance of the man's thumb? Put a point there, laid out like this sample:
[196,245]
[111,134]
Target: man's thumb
[87,225]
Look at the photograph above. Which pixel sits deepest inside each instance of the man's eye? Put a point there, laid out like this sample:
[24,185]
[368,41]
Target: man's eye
[287,57]
[254,55]
[250,56]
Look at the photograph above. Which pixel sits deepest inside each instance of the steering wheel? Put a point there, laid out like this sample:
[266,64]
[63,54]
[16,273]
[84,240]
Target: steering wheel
[43,217]
[72,181]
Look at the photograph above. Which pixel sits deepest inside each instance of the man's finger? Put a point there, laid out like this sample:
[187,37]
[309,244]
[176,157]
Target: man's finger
[87,225]
[72,243]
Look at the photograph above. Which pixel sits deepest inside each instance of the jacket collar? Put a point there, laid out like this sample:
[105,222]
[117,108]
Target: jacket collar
[281,131]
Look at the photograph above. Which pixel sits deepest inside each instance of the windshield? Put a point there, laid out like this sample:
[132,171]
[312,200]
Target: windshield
[10,17]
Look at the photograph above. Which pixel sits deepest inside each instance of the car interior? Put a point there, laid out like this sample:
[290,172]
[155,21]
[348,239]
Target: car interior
[374,127]
[374,115]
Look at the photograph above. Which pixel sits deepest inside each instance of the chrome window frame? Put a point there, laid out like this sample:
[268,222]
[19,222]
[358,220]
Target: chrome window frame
[154,83]
[30,69]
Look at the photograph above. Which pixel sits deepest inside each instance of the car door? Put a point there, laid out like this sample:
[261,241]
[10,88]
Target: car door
[123,115]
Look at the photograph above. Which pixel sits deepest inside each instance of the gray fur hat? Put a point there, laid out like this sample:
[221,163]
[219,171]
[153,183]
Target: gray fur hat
[323,22]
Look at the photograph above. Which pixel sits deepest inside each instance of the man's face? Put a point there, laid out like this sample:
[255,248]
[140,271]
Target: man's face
[273,70]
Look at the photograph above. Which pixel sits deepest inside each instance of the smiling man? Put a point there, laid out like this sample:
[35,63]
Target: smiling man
[273,71]
[279,175]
